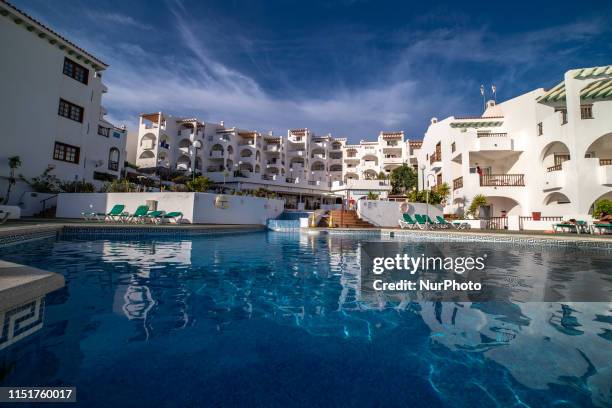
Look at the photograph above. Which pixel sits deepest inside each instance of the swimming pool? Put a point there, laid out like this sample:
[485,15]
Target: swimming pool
[275,319]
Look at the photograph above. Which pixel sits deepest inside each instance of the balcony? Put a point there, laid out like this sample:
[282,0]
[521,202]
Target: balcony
[113,165]
[493,142]
[605,171]
[458,183]
[392,160]
[502,180]
[272,148]
[435,160]
[216,154]
[301,153]
[318,156]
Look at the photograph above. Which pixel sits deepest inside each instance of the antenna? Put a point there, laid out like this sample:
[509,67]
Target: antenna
[482,92]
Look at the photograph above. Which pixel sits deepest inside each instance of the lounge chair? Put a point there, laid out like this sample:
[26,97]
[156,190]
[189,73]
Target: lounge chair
[115,214]
[601,227]
[443,223]
[566,226]
[421,221]
[4,216]
[407,221]
[154,216]
[177,216]
[430,222]
[139,215]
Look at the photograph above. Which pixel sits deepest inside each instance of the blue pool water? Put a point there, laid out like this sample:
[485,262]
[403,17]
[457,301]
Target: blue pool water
[273,319]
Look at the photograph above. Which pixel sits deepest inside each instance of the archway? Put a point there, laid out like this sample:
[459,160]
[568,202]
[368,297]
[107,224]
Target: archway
[553,154]
[230,149]
[601,149]
[317,166]
[183,163]
[605,196]
[500,206]
[148,141]
[370,175]
[335,167]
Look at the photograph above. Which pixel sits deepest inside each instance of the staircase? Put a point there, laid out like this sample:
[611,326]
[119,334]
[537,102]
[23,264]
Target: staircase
[349,219]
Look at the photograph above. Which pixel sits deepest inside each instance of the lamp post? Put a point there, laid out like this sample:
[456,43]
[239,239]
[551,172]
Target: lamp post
[427,201]
[197,145]
[422,177]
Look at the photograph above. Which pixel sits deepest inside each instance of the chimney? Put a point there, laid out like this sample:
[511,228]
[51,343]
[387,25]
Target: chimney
[434,120]
[490,103]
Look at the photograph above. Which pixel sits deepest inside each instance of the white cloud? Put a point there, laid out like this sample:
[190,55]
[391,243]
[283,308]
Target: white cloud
[122,19]
[141,81]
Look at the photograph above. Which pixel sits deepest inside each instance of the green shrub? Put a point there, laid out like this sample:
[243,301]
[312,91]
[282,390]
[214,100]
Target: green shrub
[602,207]
[478,201]
[76,187]
[200,184]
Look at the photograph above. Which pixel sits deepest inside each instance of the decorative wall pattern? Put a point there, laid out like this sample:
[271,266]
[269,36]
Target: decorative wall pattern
[21,321]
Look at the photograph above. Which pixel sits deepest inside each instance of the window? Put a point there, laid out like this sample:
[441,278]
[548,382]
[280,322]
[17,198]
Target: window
[453,147]
[586,111]
[113,159]
[76,71]
[65,152]
[103,131]
[563,116]
[70,111]
[540,129]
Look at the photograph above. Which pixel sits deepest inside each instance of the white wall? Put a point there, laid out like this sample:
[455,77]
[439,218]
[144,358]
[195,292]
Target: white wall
[196,207]
[241,210]
[387,213]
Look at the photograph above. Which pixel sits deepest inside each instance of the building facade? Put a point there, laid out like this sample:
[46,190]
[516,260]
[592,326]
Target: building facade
[51,105]
[301,164]
[544,151]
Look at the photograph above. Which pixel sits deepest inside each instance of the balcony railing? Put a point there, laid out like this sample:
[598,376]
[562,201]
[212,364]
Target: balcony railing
[556,167]
[502,180]
[487,134]
[113,165]
[605,162]
[435,158]
[457,183]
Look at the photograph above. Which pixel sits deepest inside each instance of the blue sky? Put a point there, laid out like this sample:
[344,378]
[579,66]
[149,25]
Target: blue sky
[351,68]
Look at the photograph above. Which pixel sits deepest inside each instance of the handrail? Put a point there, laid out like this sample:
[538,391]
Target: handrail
[556,167]
[457,183]
[487,134]
[502,180]
[44,202]
[605,162]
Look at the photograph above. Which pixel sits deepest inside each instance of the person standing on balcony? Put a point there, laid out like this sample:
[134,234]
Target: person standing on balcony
[479,171]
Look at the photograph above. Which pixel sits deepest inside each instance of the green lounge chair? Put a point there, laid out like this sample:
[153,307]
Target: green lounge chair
[601,227]
[407,221]
[566,227]
[421,221]
[154,216]
[139,215]
[443,223]
[177,216]
[430,222]
[114,214]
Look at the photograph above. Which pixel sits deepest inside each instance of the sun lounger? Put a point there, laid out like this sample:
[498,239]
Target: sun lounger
[140,215]
[407,221]
[114,214]
[421,221]
[4,216]
[601,227]
[154,216]
[443,223]
[177,216]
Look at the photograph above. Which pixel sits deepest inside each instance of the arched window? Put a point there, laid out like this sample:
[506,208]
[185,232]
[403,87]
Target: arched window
[113,159]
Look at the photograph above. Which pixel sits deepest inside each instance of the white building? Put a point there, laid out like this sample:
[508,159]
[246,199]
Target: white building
[51,108]
[544,151]
[308,167]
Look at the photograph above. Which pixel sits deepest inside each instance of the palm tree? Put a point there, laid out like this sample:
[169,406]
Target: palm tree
[444,191]
[14,163]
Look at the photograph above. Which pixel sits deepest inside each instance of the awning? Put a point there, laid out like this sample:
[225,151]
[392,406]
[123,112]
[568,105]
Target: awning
[593,72]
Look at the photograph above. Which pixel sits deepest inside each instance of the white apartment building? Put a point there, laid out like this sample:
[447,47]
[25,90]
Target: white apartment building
[544,151]
[51,106]
[305,167]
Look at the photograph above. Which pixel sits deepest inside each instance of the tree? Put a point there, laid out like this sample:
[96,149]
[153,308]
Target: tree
[381,176]
[14,163]
[478,201]
[403,179]
[372,196]
[200,184]
[443,191]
